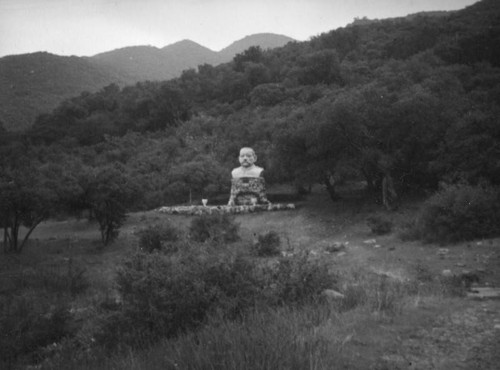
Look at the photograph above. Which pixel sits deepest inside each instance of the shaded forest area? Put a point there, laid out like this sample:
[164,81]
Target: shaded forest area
[402,104]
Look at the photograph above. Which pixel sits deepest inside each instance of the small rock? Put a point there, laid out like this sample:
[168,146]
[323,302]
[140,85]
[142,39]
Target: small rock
[377,246]
[341,254]
[446,273]
[497,327]
[331,294]
[392,248]
[443,251]
[370,241]
[335,247]
[479,243]
[286,254]
[484,293]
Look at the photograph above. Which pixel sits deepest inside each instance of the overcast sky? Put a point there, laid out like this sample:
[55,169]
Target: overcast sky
[88,27]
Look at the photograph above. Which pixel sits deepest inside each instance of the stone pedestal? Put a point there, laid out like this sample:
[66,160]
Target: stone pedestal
[249,191]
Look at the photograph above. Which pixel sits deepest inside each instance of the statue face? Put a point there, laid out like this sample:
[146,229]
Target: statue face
[247,157]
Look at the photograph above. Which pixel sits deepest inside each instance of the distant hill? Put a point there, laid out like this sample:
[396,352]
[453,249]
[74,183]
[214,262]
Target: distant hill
[35,83]
[264,40]
[151,63]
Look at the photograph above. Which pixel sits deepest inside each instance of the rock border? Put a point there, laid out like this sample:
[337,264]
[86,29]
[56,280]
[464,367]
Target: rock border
[204,210]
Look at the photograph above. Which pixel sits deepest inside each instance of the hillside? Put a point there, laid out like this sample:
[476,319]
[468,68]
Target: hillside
[38,82]
[150,63]
[264,40]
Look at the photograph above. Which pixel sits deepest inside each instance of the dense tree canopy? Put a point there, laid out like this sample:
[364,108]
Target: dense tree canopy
[407,101]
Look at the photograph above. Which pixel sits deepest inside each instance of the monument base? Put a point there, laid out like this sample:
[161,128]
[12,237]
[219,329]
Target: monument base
[208,210]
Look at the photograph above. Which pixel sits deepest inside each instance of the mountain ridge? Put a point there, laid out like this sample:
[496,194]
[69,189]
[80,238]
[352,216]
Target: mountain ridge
[36,82]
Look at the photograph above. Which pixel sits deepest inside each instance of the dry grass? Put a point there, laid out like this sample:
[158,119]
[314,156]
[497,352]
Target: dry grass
[388,299]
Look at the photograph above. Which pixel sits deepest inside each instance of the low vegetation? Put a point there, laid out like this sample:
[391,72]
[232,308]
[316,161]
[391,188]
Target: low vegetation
[458,213]
[267,244]
[176,297]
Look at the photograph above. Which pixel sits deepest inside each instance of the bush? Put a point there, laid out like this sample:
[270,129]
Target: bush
[28,323]
[159,237]
[297,280]
[164,295]
[216,228]
[459,213]
[267,244]
[409,231]
[379,225]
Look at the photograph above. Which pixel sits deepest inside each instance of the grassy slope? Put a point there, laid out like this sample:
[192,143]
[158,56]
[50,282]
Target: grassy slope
[430,331]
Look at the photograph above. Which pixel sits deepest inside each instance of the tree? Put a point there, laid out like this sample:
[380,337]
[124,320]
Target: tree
[170,108]
[253,54]
[319,67]
[108,193]
[26,199]
[201,176]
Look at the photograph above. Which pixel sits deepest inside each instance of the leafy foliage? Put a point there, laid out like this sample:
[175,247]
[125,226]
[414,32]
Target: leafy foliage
[267,244]
[166,294]
[27,197]
[400,104]
[159,238]
[460,212]
[298,280]
[215,228]
[379,225]
[28,323]
[108,196]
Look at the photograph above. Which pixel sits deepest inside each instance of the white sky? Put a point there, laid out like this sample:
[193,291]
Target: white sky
[88,27]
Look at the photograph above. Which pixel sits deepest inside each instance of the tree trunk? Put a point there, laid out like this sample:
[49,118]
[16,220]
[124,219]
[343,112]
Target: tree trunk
[25,239]
[389,195]
[5,239]
[330,188]
[371,187]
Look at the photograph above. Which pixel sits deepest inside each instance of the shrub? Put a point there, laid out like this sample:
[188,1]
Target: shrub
[238,286]
[410,231]
[216,228]
[164,295]
[460,212]
[379,225]
[69,278]
[159,237]
[160,298]
[28,323]
[297,280]
[267,244]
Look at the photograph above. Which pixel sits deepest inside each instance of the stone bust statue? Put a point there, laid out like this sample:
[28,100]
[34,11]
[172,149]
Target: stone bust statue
[247,184]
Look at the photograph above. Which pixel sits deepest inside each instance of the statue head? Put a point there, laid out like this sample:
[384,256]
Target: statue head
[247,157]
